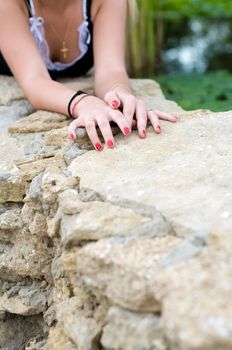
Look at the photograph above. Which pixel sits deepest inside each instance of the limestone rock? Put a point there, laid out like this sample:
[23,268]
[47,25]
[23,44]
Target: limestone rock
[37,343]
[190,247]
[147,87]
[128,330]
[57,340]
[96,220]
[125,271]
[11,113]
[173,172]
[84,332]
[27,257]
[41,201]
[29,299]
[57,137]
[39,121]
[10,150]
[9,91]
[78,325]
[30,169]
[129,248]
[16,331]
[10,218]
[63,268]
[196,309]
[55,181]
[12,188]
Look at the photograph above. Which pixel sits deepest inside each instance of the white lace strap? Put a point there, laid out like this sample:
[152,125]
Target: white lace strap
[36,25]
[32,7]
[85,15]
[84,28]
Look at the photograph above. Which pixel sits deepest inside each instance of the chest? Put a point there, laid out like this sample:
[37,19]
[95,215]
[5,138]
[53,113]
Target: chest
[64,26]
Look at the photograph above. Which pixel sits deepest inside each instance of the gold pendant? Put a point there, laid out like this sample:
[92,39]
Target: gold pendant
[64,50]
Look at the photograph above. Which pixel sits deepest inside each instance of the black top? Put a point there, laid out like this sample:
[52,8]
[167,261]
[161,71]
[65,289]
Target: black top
[79,68]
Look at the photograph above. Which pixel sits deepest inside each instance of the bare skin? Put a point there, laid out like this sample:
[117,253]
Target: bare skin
[109,17]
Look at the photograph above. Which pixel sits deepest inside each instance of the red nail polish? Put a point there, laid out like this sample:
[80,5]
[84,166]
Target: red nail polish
[110,143]
[98,146]
[127,131]
[72,136]
[158,127]
[115,104]
[144,133]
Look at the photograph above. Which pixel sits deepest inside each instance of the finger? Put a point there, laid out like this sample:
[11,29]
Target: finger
[122,122]
[105,128]
[92,133]
[141,116]
[112,99]
[72,128]
[154,121]
[165,116]
[129,107]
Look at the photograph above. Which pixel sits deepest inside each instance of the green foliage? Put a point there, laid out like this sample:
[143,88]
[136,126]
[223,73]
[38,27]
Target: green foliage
[210,91]
[188,8]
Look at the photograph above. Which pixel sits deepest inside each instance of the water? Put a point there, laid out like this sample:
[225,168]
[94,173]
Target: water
[199,46]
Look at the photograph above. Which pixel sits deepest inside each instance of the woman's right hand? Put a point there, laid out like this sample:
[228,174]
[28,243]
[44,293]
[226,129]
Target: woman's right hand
[93,111]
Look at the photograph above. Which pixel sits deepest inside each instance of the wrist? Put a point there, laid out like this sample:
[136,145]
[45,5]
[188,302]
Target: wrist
[78,104]
[74,101]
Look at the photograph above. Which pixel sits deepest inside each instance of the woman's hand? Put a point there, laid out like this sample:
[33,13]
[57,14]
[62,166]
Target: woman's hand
[134,107]
[93,111]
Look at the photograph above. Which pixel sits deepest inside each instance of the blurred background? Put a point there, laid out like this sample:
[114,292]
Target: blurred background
[185,45]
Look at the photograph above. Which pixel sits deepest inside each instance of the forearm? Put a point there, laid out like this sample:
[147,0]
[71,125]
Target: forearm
[104,81]
[48,95]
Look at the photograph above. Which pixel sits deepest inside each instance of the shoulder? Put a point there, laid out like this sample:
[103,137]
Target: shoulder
[111,3]
[12,7]
[108,6]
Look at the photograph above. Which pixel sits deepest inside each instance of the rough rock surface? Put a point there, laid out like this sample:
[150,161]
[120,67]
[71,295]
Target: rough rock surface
[127,249]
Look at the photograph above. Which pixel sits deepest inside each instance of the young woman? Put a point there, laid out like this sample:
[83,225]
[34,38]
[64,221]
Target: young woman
[41,40]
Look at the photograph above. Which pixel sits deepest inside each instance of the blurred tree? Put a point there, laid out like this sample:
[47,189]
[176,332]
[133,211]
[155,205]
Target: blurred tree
[146,35]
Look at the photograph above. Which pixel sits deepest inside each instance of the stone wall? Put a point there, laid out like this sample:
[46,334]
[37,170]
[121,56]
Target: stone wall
[125,249]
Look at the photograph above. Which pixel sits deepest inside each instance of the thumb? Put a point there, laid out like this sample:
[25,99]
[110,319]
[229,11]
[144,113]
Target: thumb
[112,99]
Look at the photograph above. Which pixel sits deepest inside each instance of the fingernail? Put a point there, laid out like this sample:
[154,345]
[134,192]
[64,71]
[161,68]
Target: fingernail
[110,143]
[72,136]
[115,104]
[144,133]
[158,127]
[127,131]
[98,146]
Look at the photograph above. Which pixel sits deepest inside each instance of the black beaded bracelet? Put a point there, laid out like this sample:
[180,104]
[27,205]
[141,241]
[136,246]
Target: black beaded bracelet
[79,92]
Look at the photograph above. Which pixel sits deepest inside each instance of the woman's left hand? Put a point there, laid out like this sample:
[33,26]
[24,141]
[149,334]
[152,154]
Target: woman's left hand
[136,111]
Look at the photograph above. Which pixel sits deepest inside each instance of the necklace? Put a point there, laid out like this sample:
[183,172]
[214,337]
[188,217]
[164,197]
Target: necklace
[64,49]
